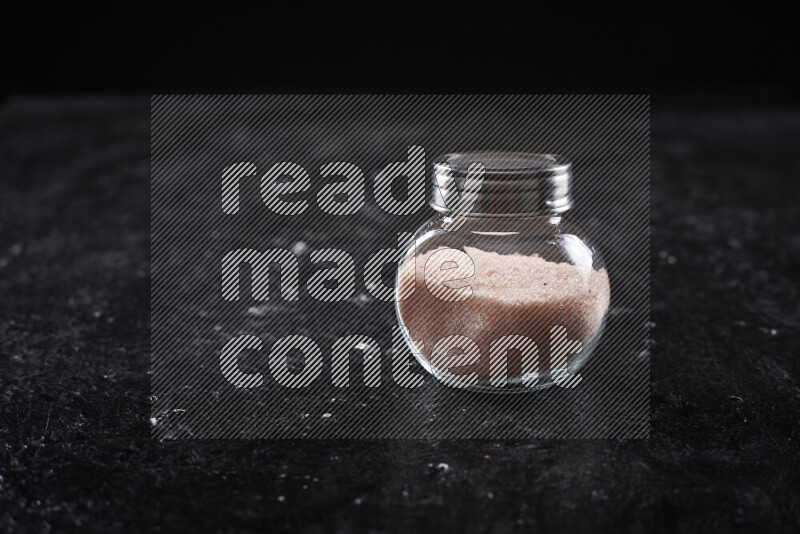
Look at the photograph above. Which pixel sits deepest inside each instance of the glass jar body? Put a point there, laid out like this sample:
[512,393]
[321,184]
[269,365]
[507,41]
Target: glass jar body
[502,304]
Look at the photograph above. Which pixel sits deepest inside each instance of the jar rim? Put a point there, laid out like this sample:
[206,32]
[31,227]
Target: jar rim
[512,183]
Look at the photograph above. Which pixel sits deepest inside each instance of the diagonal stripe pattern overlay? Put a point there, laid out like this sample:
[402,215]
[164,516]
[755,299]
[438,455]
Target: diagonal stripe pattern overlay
[226,364]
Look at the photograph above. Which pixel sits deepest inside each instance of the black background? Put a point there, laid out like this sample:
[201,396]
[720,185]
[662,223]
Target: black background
[707,49]
[75,451]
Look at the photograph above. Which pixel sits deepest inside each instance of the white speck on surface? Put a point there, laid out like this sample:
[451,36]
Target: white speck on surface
[326,415]
[299,248]
[153,421]
[671,260]
[97,314]
[358,500]
[281,498]
[264,309]
[443,467]
[489,495]
[361,299]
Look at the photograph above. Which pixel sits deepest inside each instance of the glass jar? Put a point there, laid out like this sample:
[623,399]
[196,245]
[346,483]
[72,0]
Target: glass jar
[499,291]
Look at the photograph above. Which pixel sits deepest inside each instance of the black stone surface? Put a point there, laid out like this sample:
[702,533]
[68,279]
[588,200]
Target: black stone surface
[75,447]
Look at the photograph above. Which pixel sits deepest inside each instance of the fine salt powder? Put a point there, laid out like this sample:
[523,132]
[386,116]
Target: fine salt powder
[512,294]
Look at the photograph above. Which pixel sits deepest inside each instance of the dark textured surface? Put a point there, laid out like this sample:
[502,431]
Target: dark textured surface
[75,451]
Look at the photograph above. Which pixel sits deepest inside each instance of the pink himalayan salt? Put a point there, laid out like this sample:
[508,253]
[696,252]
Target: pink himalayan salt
[511,295]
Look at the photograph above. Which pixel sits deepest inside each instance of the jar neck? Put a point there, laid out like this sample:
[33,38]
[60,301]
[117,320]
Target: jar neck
[544,223]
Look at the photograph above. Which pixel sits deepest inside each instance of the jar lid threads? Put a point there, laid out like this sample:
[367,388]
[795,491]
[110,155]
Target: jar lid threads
[514,184]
